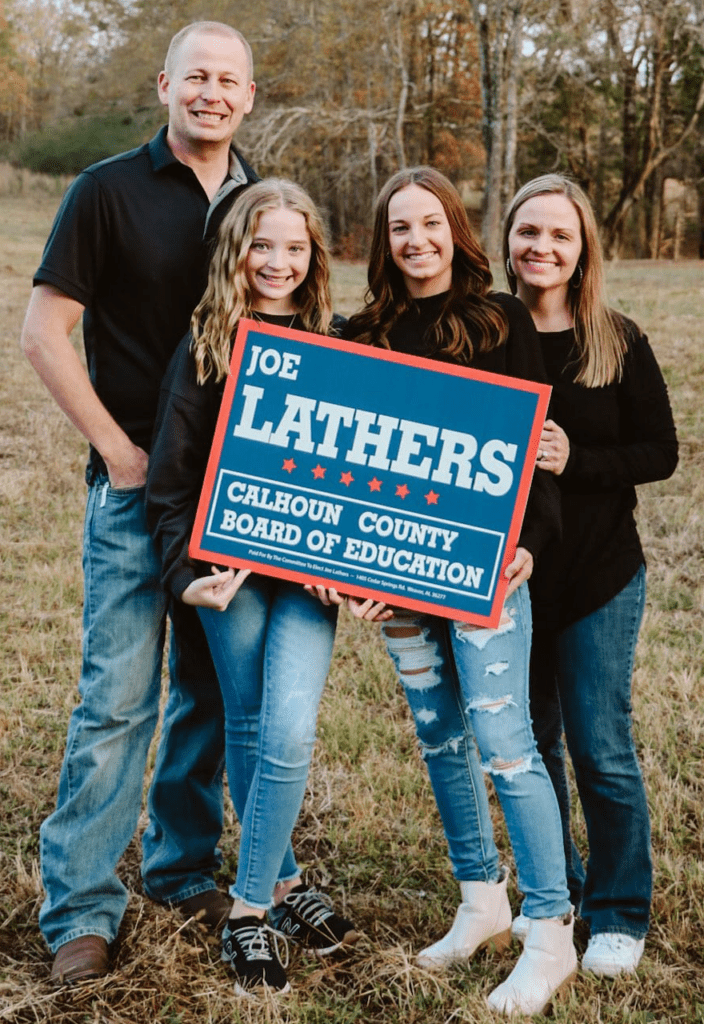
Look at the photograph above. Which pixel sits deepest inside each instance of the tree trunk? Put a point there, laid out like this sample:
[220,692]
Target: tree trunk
[513,56]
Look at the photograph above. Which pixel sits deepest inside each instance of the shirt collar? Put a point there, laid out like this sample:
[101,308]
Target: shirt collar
[162,156]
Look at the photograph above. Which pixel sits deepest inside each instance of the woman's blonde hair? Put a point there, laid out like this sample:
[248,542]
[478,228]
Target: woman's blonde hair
[228,296]
[598,331]
[467,301]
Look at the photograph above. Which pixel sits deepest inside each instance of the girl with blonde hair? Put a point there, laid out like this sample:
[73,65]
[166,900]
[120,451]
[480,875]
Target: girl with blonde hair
[268,637]
[611,428]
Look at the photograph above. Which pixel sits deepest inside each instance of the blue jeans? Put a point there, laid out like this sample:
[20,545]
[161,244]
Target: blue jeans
[272,649]
[581,677]
[100,786]
[468,691]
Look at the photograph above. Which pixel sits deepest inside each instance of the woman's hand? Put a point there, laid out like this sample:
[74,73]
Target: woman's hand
[554,448]
[215,591]
[369,610]
[519,570]
[328,595]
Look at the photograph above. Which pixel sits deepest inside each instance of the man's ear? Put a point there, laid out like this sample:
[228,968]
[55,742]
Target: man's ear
[163,88]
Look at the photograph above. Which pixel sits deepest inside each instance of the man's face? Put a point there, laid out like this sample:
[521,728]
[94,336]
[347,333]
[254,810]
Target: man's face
[207,90]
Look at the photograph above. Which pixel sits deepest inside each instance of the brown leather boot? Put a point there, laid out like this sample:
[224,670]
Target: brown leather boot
[81,959]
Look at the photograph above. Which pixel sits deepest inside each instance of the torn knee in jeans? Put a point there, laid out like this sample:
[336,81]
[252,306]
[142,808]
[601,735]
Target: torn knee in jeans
[480,636]
[507,769]
[416,657]
[452,744]
[492,705]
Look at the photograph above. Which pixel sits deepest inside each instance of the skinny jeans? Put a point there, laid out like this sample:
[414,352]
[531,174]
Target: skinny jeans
[272,648]
[467,689]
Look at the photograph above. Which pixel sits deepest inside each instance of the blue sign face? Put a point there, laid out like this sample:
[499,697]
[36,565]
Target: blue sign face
[377,474]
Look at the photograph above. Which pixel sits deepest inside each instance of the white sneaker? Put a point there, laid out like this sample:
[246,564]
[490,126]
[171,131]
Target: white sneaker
[612,953]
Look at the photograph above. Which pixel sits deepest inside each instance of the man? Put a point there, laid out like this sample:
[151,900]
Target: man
[128,252]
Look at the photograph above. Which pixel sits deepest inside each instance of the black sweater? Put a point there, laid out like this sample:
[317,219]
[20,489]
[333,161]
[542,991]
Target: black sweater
[183,435]
[518,357]
[620,435]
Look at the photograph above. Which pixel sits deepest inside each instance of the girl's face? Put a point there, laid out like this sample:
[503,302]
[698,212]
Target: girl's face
[420,241]
[278,260]
[545,243]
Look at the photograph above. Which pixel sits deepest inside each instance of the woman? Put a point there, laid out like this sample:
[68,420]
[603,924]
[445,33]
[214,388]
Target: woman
[611,428]
[271,641]
[467,687]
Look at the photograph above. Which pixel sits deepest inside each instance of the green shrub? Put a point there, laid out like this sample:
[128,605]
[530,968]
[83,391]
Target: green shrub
[72,144]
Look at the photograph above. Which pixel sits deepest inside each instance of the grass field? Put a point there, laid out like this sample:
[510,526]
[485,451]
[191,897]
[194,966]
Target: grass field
[369,831]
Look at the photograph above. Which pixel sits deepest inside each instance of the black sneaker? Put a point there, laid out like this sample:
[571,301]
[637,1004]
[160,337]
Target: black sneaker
[248,948]
[307,917]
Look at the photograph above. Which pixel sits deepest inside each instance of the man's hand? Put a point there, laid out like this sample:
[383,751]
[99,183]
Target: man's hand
[131,470]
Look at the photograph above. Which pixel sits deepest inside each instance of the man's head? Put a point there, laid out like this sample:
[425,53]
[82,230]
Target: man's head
[207,85]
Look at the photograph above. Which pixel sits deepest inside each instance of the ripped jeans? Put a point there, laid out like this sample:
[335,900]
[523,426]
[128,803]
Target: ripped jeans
[467,688]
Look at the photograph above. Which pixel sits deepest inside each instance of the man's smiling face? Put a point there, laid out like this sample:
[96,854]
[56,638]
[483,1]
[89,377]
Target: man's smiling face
[208,90]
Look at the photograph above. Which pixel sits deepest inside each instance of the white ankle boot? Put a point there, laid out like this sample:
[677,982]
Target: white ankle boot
[548,962]
[483,918]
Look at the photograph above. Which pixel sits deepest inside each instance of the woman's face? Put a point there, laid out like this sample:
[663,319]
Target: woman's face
[278,260]
[420,241]
[545,243]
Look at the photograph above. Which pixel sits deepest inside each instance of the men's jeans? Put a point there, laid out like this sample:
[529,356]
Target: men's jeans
[468,691]
[582,676]
[272,650]
[100,786]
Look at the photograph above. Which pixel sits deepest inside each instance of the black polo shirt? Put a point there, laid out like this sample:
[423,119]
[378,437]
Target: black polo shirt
[131,243]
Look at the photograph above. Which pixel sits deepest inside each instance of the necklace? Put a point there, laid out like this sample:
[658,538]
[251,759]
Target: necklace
[260,318]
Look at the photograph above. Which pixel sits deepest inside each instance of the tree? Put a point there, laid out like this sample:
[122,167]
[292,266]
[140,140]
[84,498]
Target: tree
[499,25]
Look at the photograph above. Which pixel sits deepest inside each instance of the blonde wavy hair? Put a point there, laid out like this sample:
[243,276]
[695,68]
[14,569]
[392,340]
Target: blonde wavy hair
[598,331]
[228,296]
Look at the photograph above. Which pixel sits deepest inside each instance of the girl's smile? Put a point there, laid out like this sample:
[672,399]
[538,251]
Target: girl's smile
[278,260]
[420,241]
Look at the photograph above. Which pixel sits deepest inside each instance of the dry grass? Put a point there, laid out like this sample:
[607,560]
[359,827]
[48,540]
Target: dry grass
[369,830]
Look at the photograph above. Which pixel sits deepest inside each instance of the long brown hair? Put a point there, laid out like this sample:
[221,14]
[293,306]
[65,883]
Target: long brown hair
[598,331]
[467,304]
[228,296]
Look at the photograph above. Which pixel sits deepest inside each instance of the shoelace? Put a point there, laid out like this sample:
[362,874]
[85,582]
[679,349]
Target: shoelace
[314,907]
[255,943]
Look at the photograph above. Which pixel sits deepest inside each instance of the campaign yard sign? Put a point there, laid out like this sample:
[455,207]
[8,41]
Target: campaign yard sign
[378,474]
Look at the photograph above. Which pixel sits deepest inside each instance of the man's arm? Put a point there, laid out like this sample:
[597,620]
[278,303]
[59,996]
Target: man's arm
[46,341]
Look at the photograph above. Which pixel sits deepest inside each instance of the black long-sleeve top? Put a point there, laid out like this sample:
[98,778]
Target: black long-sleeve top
[519,356]
[620,435]
[183,435]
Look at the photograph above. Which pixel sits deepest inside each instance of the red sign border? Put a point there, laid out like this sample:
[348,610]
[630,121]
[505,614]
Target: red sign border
[542,391]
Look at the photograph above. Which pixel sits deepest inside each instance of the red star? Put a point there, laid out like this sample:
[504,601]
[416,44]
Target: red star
[319,472]
[375,485]
[346,479]
[402,491]
[289,465]
[431,497]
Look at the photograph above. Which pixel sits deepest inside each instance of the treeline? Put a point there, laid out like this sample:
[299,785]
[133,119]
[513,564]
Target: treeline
[492,92]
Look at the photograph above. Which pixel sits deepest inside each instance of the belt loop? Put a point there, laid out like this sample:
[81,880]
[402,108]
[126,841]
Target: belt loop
[104,495]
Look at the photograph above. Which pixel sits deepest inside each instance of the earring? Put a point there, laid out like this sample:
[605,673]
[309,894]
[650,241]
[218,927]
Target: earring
[509,268]
[578,283]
